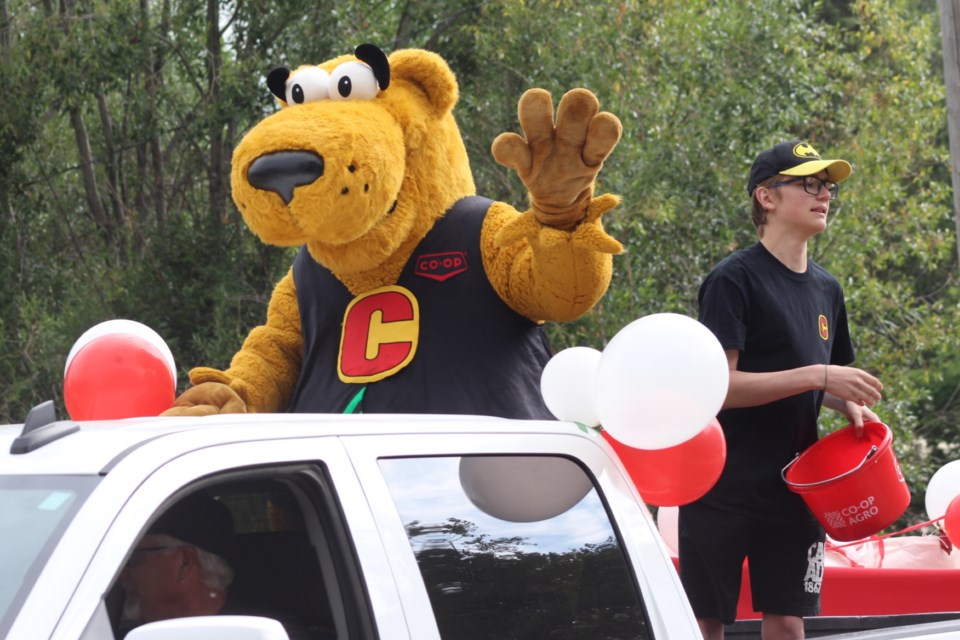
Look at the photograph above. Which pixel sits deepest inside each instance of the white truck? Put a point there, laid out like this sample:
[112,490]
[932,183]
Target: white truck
[394,526]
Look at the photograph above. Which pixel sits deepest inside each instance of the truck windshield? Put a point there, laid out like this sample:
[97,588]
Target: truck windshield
[36,510]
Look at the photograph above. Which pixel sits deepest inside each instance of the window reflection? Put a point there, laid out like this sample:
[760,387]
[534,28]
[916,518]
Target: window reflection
[35,512]
[563,576]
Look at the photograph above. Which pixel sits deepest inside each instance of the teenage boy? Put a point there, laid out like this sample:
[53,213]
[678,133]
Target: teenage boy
[782,322]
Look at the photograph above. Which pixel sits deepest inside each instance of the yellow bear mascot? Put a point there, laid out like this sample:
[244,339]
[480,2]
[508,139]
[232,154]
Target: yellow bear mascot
[410,294]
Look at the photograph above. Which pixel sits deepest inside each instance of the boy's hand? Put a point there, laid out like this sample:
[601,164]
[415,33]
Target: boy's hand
[858,414]
[853,385]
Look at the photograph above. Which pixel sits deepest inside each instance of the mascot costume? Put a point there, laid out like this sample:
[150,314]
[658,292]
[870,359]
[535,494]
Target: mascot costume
[410,294]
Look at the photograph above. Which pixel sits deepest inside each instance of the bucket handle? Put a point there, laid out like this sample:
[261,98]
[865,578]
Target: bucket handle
[783,472]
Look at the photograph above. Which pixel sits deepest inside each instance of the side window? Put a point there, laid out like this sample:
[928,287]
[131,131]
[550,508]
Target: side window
[264,542]
[515,547]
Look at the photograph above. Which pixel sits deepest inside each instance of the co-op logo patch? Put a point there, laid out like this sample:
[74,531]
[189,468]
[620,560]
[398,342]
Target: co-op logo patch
[853,514]
[441,266]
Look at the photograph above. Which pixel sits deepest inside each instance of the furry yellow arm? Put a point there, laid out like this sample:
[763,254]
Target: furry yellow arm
[547,274]
[264,372]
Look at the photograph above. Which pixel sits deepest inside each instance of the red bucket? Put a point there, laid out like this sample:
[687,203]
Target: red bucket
[852,485]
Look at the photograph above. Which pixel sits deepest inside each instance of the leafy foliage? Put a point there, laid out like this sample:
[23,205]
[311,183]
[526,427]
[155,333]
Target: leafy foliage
[117,121]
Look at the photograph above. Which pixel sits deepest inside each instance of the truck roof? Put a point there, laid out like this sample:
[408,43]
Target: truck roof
[93,447]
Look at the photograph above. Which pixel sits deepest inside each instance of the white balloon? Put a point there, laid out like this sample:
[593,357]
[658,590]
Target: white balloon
[943,487]
[668,524]
[131,327]
[567,384]
[523,488]
[660,379]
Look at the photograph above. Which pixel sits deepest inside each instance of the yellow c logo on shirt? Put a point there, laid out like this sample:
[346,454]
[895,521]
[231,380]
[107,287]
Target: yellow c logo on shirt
[824,328]
[381,330]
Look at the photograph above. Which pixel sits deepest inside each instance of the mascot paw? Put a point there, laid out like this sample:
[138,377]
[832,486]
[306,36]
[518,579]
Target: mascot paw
[558,162]
[589,236]
[207,398]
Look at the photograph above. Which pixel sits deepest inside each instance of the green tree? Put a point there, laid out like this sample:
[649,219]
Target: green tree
[118,120]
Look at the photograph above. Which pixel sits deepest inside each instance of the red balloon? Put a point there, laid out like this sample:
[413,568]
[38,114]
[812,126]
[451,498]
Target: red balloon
[118,375]
[676,475]
[951,521]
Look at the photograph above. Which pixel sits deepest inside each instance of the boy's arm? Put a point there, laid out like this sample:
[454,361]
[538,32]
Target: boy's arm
[754,389]
[849,390]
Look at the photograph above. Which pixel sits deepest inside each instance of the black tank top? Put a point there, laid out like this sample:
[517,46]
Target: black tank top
[440,341]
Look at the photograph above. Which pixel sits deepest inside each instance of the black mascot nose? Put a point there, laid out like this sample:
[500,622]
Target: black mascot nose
[281,172]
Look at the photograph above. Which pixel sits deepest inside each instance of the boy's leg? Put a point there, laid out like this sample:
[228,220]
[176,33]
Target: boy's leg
[777,627]
[786,572]
[710,628]
[712,546]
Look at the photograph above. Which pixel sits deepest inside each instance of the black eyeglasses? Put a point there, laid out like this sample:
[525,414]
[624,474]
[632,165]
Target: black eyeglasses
[812,185]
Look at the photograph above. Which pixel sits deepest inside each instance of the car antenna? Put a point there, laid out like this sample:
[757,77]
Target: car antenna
[40,428]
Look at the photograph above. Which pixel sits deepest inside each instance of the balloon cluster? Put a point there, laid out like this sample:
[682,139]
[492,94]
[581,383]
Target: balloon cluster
[656,389]
[118,369]
[942,499]
[676,475]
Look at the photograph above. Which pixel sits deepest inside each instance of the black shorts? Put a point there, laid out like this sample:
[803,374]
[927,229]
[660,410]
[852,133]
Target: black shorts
[785,562]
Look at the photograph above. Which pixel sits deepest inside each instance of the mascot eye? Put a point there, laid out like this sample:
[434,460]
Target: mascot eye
[308,85]
[353,80]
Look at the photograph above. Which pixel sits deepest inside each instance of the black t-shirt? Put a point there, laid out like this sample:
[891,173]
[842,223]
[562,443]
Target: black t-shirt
[778,319]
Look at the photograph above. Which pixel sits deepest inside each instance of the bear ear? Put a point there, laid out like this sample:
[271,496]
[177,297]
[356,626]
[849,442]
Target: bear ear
[428,72]
[277,82]
[377,60]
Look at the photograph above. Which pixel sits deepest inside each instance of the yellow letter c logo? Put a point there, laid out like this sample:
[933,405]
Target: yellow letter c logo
[381,330]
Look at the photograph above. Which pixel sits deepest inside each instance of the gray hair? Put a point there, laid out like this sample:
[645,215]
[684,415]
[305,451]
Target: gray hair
[215,571]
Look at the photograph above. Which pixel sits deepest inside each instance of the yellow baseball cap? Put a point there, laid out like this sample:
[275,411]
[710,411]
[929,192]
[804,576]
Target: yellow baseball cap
[794,158]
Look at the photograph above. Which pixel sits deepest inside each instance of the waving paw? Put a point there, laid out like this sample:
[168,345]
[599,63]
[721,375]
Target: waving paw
[558,161]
